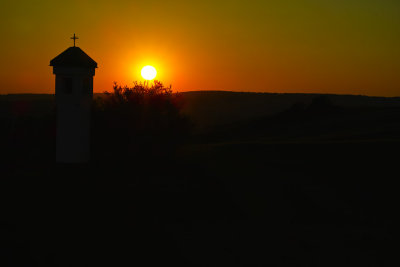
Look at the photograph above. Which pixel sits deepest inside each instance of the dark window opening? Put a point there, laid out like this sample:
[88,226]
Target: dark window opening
[68,85]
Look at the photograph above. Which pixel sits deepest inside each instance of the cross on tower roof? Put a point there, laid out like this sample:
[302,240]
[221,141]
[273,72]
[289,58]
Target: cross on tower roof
[74,38]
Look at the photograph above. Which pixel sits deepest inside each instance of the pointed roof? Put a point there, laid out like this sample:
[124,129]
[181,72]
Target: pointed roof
[73,57]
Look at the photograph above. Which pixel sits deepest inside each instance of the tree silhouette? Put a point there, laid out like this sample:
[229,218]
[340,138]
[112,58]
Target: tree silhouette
[141,120]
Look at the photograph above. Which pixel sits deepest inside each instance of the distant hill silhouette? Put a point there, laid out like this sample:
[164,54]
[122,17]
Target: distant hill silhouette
[212,108]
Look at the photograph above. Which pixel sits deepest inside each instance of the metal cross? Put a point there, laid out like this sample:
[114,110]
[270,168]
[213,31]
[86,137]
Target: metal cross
[74,38]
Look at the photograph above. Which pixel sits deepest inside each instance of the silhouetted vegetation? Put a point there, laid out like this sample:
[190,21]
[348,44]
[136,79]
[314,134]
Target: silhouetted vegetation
[145,119]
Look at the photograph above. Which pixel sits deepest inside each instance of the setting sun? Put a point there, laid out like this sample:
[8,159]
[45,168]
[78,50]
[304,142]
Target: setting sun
[149,72]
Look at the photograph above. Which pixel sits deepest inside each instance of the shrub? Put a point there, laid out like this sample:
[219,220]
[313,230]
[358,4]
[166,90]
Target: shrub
[141,120]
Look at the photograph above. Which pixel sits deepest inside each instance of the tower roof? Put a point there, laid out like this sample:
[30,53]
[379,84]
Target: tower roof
[73,57]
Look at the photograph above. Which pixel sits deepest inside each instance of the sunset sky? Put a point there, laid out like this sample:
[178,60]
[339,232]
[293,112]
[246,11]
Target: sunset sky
[285,46]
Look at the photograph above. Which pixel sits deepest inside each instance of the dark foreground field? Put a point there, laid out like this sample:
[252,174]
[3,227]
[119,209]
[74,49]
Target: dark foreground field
[312,183]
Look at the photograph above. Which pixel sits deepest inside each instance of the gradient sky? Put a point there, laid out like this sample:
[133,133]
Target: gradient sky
[325,46]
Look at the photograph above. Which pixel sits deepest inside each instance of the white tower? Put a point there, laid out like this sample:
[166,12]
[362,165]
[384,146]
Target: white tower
[74,71]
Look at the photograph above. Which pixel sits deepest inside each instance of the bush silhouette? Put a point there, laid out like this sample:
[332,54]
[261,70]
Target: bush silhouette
[141,120]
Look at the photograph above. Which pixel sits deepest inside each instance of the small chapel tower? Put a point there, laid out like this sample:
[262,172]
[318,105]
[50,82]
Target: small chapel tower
[74,71]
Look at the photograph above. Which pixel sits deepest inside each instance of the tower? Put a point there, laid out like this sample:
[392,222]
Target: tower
[74,71]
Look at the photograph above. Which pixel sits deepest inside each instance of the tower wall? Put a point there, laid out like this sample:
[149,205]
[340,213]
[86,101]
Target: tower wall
[74,91]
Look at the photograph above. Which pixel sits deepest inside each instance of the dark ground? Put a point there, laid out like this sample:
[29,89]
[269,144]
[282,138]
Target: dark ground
[312,185]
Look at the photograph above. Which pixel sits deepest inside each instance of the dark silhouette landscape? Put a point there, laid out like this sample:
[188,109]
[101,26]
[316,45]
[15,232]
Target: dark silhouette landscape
[199,133]
[216,179]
